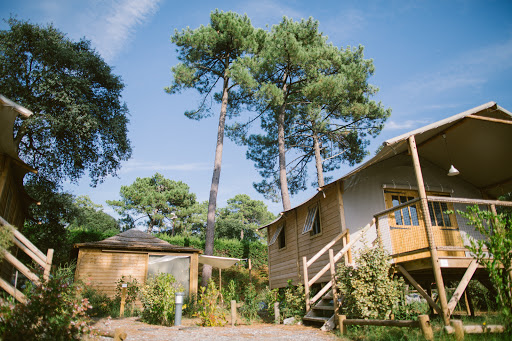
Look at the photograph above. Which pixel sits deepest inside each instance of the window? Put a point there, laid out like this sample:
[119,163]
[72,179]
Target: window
[406,216]
[312,224]
[282,239]
[276,235]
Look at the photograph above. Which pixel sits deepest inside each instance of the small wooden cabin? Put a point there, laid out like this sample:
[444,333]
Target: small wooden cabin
[402,197]
[138,254]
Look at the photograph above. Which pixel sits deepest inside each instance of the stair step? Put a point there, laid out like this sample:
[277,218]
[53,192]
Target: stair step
[323,307]
[316,319]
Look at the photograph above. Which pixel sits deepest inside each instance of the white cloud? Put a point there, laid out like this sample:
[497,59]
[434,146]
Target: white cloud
[114,28]
[407,124]
[471,70]
[137,166]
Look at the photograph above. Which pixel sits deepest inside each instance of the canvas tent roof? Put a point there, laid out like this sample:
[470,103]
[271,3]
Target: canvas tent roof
[137,241]
[478,143]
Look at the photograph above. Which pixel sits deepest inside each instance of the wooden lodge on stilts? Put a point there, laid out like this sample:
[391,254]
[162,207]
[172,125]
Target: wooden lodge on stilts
[14,203]
[407,196]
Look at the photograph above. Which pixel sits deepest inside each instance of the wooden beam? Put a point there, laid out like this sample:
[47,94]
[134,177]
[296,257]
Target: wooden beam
[469,201]
[48,265]
[20,266]
[29,253]
[420,289]
[385,323]
[462,286]
[325,248]
[396,208]
[489,119]
[428,229]
[306,282]
[12,291]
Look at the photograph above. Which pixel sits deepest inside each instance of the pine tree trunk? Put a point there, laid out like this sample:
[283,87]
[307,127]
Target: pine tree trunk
[212,203]
[283,180]
[318,161]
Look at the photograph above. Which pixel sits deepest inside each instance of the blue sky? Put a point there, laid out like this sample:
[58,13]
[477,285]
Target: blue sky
[432,59]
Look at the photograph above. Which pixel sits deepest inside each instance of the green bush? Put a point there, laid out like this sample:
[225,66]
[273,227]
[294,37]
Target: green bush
[292,301]
[498,243]
[100,305]
[132,293]
[250,307]
[53,311]
[211,312]
[157,298]
[368,289]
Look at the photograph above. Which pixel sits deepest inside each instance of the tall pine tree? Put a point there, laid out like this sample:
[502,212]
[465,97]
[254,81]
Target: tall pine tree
[207,55]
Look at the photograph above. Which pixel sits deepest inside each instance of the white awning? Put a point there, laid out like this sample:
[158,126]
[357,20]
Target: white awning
[218,262]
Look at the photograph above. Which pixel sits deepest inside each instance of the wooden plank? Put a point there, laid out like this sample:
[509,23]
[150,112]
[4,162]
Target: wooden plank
[321,293]
[23,239]
[326,247]
[384,323]
[462,286]
[20,266]
[469,201]
[306,282]
[420,290]
[341,253]
[48,265]
[32,255]
[12,291]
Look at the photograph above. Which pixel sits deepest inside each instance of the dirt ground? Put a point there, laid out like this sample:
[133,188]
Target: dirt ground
[190,331]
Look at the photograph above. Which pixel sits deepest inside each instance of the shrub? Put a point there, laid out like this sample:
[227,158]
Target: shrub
[211,311]
[53,311]
[293,302]
[100,305]
[250,307]
[498,242]
[157,298]
[369,290]
[132,292]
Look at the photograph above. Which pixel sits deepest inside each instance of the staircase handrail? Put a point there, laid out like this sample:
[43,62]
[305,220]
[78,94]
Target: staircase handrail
[33,252]
[341,253]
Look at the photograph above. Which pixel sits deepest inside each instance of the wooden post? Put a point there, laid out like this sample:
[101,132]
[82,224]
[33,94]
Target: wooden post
[48,266]
[277,314]
[426,327]
[428,228]
[306,282]
[459,329]
[123,299]
[341,325]
[343,244]
[333,275]
[349,252]
[233,313]
[250,268]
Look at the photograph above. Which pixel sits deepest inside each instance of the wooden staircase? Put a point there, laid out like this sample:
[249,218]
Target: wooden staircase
[323,312]
[323,306]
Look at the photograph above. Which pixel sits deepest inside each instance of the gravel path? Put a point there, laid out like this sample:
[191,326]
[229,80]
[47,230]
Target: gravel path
[189,331]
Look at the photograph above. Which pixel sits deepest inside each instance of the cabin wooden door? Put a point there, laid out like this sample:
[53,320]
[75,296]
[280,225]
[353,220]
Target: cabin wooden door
[407,228]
